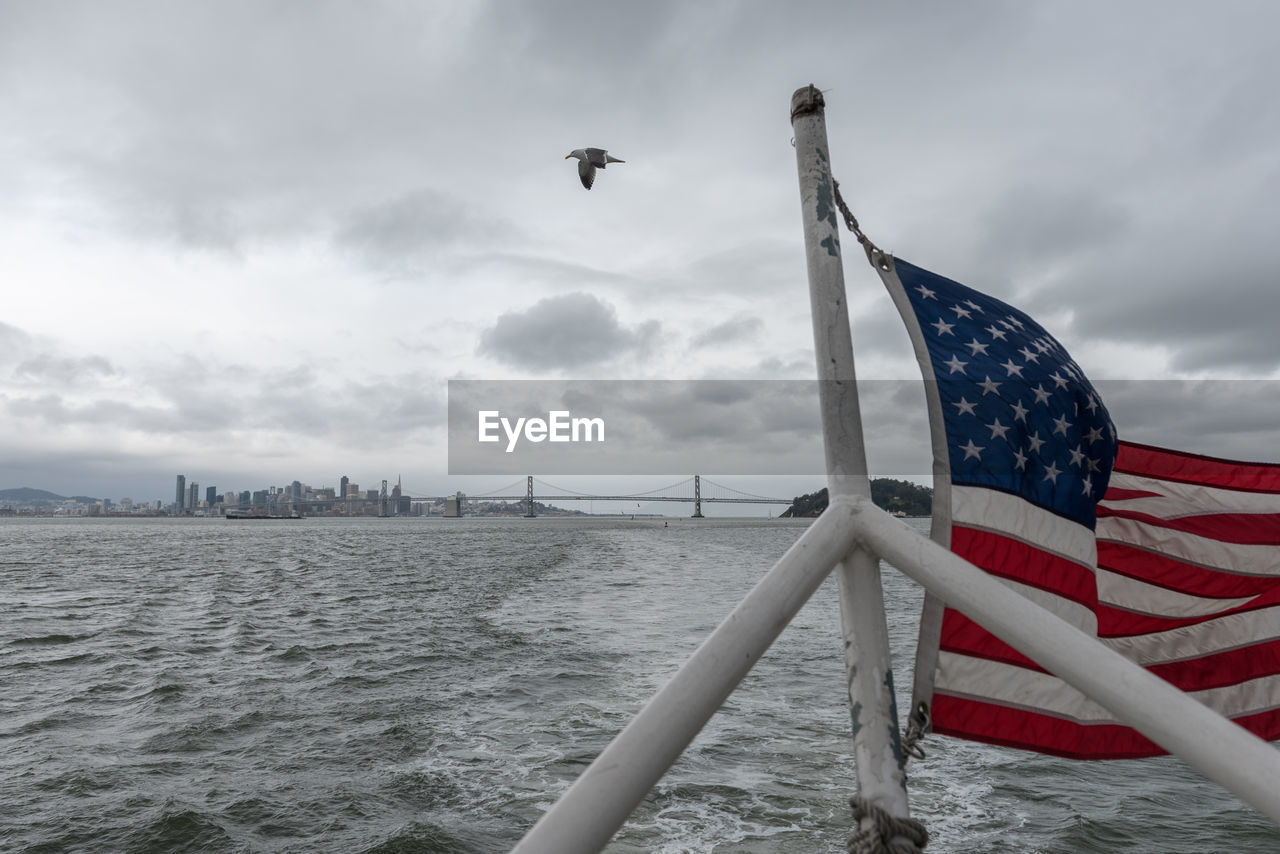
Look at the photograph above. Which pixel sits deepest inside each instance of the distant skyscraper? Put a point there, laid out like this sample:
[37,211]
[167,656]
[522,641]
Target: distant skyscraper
[211,495]
[342,486]
[180,499]
[193,495]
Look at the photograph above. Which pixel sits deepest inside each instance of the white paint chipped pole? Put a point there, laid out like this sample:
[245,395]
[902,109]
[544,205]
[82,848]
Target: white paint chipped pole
[877,745]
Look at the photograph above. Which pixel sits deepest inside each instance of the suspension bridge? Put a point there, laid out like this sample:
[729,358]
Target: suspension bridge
[693,490]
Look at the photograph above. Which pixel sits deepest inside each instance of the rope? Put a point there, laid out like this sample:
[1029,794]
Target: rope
[885,833]
[875,257]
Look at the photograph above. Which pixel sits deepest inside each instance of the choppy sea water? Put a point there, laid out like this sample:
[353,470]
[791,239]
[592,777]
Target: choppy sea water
[430,685]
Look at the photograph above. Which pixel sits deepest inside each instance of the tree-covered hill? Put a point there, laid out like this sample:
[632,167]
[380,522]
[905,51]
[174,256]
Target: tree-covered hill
[896,496]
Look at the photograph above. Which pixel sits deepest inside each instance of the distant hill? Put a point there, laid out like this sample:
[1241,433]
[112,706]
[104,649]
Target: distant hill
[893,495]
[27,495]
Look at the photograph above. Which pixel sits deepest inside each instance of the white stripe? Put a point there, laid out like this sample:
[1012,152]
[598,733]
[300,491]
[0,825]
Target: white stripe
[991,510]
[1017,687]
[1232,631]
[1139,597]
[1234,558]
[1175,500]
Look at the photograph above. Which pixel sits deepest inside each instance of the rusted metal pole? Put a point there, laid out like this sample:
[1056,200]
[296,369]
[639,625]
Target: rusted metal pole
[877,744]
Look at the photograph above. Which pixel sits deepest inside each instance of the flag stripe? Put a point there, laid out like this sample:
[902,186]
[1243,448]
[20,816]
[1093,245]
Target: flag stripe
[1170,499]
[1127,594]
[1000,512]
[1121,559]
[1006,727]
[1179,467]
[1254,529]
[1022,688]
[1016,561]
[1190,548]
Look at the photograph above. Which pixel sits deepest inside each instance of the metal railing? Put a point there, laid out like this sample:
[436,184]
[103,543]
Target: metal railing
[854,535]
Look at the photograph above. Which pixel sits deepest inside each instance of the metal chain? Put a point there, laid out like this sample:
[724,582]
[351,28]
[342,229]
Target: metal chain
[876,258]
[916,730]
[887,834]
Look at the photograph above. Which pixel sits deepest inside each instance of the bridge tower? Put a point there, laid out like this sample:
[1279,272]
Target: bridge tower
[697,497]
[529,499]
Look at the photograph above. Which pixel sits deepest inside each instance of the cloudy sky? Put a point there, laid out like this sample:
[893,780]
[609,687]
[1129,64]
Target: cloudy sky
[252,242]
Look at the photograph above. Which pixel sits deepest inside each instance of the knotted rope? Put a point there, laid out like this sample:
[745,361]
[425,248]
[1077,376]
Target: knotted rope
[885,833]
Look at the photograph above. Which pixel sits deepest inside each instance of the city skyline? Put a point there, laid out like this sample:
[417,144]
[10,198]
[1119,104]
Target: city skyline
[247,265]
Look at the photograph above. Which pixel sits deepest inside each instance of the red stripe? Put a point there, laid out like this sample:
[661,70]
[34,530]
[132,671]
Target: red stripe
[1251,529]
[1001,725]
[1230,667]
[1222,669]
[1149,461]
[1118,623]
[1016,561]
[1173,574]
[1114,493]
[962,635]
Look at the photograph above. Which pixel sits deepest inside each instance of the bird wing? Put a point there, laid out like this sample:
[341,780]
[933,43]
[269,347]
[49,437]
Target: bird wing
[587,173]
[596,157]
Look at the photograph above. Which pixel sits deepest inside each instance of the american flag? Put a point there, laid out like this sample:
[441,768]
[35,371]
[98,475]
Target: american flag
[1168,558]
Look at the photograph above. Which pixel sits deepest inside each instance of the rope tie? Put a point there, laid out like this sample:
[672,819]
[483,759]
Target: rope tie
[886,834]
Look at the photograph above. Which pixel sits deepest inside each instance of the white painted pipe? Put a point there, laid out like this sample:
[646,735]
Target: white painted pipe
[1221,750]
[587,815]
[877,746]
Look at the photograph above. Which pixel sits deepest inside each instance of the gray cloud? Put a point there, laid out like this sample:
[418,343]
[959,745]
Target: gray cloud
[49,368]
[564,332]
[736,329]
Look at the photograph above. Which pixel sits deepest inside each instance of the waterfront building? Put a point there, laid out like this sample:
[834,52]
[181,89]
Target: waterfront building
[180,500]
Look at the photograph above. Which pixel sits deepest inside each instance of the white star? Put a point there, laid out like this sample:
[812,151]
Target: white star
[1094,435]
[976,347]
[973,305]
[1092,405]
[1042,396]
[1012,369]
[1060,425]
[996,333]
[1040,345]
[1088,487]
[964,407]
[961,312]
[1057,380]
[925,293]
[943,327]
[1051,473]
[1021,459]
[1077,456]
[997,429]
[989,386]
[1019,411]
[1035,442]
[972,450]
[955,364]
[1028,355]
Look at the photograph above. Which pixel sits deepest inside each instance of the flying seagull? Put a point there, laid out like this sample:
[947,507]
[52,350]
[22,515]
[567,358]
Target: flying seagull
[589,160]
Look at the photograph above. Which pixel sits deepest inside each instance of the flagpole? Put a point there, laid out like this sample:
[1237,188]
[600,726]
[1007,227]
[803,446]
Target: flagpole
[877,744]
